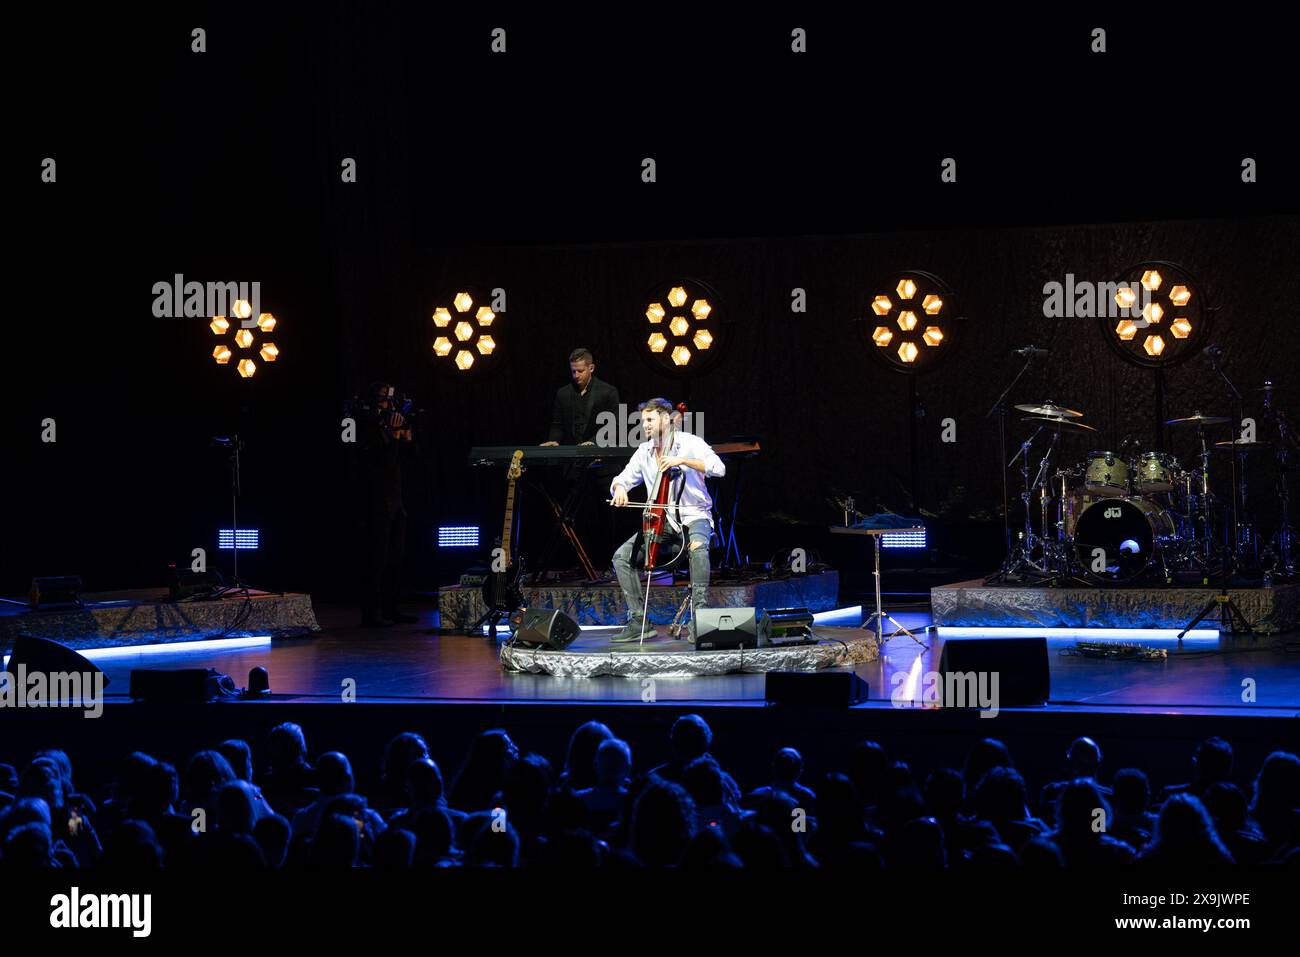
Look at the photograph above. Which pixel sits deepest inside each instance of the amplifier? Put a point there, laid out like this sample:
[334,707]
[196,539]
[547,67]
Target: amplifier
[787,626]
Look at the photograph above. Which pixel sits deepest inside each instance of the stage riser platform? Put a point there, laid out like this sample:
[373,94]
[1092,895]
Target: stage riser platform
[974,604]
[461,607]
[147,620]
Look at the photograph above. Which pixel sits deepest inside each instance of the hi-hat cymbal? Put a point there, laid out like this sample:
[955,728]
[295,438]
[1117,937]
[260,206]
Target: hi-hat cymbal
[1241,445]
[1051,409]
[1058,423]
[1197,419]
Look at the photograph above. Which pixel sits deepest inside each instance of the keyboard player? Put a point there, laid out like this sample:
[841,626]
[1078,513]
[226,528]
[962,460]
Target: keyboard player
[579,403]
[576,418]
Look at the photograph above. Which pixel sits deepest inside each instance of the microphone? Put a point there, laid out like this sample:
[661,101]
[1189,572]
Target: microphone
[1031,352]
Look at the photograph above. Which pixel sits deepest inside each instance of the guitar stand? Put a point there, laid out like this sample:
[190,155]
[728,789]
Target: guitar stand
[678,624]
[492,617]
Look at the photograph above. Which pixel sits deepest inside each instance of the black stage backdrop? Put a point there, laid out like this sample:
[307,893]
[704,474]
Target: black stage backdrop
[227,167]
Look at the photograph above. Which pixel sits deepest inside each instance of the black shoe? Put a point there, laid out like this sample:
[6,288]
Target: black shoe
[376,621]
[401,617]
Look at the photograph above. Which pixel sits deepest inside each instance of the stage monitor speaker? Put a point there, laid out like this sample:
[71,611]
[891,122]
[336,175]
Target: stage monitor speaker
[544,627]
[56,591]
[1023,676]
[188,584]
[48,657]
[179,685]
[826,689]
[726,629]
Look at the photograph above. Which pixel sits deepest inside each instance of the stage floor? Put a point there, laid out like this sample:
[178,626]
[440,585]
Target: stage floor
[413,663]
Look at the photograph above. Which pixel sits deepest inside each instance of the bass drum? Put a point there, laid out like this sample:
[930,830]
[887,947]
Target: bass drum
[1117,540]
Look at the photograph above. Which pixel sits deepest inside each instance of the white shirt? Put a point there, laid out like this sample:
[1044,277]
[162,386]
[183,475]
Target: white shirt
[688,488]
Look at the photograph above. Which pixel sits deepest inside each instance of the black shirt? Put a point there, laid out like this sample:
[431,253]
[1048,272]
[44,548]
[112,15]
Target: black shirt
[576,417]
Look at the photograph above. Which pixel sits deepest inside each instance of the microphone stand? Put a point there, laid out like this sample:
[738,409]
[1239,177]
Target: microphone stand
[1000,409]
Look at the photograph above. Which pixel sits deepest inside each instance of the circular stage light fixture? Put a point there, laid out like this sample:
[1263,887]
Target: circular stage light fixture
[909,322]
[1158,315]
[462,333]
[239,343]
[680,329]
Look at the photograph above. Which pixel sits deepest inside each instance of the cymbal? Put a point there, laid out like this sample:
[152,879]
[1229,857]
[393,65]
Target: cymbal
[1058,423]
[1048,408]
[1242,446]
[1197,419]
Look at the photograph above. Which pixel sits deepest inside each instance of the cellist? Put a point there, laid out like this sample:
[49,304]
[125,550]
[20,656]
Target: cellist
[687,461]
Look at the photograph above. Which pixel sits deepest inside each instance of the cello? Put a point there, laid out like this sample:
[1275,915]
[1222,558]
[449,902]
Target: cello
[655,514]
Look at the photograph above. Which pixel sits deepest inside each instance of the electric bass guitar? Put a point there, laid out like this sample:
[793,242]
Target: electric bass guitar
[501,587]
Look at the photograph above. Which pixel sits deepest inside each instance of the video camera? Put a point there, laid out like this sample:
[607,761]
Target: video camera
[367,407]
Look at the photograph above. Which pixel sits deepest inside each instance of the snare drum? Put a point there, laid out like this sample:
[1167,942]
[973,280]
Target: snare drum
[1106,475]
[1155,472]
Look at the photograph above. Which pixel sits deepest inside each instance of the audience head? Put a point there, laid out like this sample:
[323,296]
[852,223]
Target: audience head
[613,763]
[986,754]
[1084,757]
[1213,761]
[334,773]
[206,772]
[424,782]
[237,807]
[400,753]
[663,823]
[1185,832]
[1000,796]
[272,833]
[286,746]
[690,738]
[702,779]
[491,840]
[336,843]
[41,779]
[787,765]
[1130,791]
[945,793]
[579,768]
[239,756]
[64,766]
[1081,811]
[132,847]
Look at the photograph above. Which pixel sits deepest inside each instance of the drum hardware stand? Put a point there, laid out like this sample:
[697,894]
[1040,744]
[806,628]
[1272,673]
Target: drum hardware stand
[1020,559]
[1229,613]
[1279,546]
[999,408]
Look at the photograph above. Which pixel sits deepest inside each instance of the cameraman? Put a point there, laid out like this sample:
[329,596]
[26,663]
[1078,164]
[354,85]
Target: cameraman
[382,434]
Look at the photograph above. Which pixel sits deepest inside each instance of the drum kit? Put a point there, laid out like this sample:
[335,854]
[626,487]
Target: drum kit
[1136,515]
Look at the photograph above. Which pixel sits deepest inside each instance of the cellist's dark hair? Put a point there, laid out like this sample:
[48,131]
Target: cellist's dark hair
[658,404]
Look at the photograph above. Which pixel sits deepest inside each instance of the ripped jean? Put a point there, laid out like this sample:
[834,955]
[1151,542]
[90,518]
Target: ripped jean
[624,566]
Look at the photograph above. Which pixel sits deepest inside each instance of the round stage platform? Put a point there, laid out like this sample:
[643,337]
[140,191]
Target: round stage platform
[593,655]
